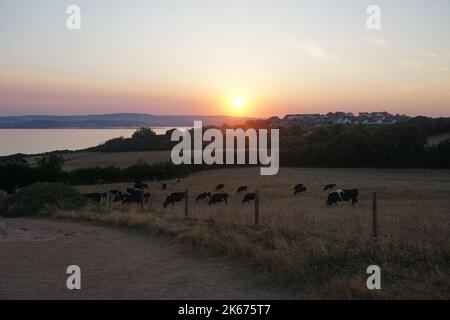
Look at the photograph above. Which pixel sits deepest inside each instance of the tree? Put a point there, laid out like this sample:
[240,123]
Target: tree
[143,133]
[14,175]
[49,169]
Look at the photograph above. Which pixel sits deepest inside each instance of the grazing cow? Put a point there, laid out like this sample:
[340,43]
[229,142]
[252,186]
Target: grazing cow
[218,197]
[249,197]
[116,195]
[242,189]
[136,197]
[174,197]
[300,188]
[97,196]
[133,191]
[164,186]
[329,187]
[343,195]
[203,196]
[140,185]
[220,187]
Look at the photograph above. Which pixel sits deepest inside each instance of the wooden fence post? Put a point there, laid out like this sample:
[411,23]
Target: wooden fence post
[374,216]
[256,207]
[186,203]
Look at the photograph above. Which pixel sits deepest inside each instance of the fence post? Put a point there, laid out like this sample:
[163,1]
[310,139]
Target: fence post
[142,200]
[256,207]
[374,216]
[186,203]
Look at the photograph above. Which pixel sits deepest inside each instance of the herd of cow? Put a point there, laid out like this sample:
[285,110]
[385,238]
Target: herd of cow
[138,194]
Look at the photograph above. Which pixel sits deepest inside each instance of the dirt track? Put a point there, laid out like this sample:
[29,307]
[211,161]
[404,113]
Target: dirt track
[115,264]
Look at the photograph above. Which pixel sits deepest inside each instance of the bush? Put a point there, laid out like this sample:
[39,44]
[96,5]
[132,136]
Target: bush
[41,199]
[15,174]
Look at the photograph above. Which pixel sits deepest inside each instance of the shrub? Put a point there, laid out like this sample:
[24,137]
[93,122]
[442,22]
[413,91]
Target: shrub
[42,199]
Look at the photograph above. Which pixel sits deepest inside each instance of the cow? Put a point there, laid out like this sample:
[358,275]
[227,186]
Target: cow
[249,197]
[136,197]
[97,196]
[300,188]
[343,195]
[242,189]
[140,185]
[203,196]
[133,191]
[220,187]
[116,195]
[164,186]
[114,192]
[174,197]
[329,187]
[218,197]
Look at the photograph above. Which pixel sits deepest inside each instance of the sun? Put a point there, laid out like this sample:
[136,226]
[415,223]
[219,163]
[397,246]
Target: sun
[238,104]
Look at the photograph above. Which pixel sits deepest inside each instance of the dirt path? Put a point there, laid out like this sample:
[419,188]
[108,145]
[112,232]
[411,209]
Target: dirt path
[115,264]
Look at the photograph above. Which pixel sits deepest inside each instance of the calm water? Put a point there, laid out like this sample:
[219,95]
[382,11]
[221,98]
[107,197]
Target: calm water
[31,141]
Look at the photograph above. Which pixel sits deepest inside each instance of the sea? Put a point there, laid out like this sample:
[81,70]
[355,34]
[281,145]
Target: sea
[35,141]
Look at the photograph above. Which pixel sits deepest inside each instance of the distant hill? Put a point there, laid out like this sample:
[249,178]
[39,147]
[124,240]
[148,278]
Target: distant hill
[117,120]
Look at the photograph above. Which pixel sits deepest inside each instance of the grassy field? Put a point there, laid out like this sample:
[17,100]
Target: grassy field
[321,250]
[118,159]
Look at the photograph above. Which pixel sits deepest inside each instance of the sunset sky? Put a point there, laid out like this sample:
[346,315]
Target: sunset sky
[236,57]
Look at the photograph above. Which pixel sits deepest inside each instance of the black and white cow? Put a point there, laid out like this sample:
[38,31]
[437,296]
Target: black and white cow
[174,197]
[300,188]
[97,196]
[203,196]
[242,189]
[217,198]
[116,195]
[249,197]
[137,197]
[343,195]
[140,185]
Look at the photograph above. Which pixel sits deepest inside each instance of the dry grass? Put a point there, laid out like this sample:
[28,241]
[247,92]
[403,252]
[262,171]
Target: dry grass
[321,250]
[118,159]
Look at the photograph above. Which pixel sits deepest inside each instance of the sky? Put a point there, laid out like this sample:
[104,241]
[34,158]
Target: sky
[248,57]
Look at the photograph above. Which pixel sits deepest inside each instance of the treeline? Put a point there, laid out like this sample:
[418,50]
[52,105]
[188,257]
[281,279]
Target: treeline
[432,126]
[392,146]
[144,139]
[16,174]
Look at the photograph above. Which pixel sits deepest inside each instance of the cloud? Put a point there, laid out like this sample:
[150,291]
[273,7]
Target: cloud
[378,42]
[429,54]
[316,52]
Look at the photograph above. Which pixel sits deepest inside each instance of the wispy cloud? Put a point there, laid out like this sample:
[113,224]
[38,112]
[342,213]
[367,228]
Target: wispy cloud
[413,63]
[316,52]
[378,42]
[429,54]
